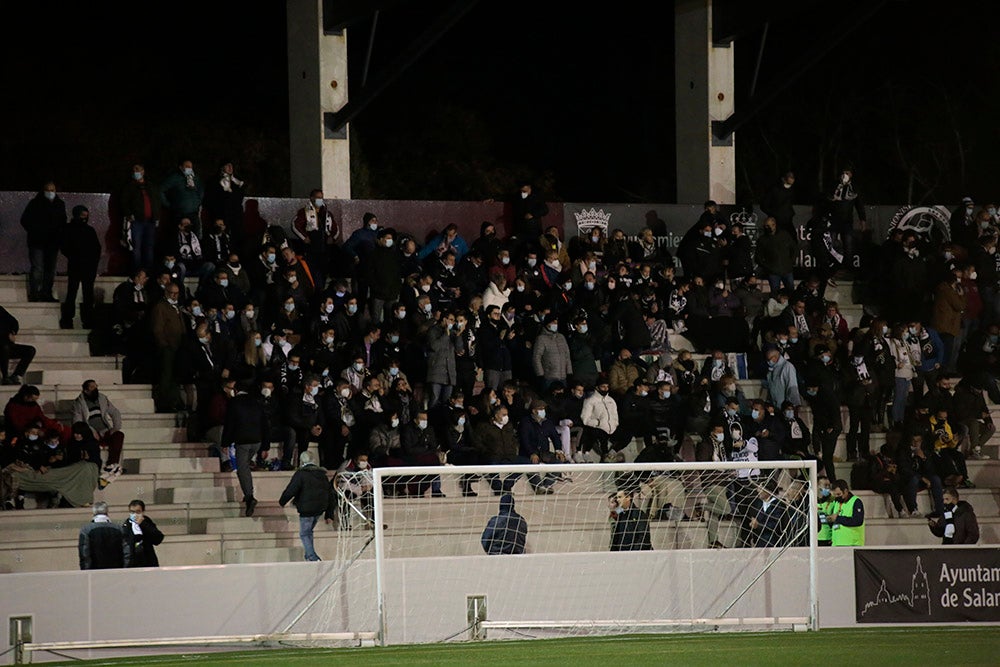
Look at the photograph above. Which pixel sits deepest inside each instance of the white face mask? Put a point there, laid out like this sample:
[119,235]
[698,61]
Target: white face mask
[266,392]
[328,340]
[719,437]
[318,203]
[50,195]
[345,392]
[532,261]
[394,423]
[362,465]
[388,243]
[428,307]
[520,288]
[582,328]
[505,260]
[328,307]
[289,307]
[314,391]
[524,195]
[503,420]
[248,314]
[352,308]
[421,424]
[553,328]
[845,178]
[359,367]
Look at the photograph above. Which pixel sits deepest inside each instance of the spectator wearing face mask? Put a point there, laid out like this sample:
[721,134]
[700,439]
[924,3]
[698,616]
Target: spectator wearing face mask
[551,358]
[782,379]
[957,524]
[599,417]
[181,194]
[384,268]
[44,219]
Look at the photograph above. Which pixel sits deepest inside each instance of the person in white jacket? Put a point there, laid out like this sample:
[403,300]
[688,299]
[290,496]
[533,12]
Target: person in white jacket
[600,418]
[496,292]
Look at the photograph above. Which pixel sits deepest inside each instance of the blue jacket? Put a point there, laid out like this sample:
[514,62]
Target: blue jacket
[506,532]
[927,362]
[458,245]
[535,437]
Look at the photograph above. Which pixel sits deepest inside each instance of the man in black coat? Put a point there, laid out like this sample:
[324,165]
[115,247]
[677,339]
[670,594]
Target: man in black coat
[82,250]
[630,531]
[44,218]
[248,429]
[11,349]
[100,544]
[140,535]
[313,496]
[778,203]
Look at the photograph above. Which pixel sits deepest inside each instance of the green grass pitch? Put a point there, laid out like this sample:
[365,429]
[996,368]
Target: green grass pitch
[881,647]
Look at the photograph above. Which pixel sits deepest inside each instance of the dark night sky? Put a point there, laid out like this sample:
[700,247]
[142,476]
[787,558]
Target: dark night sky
[584,95]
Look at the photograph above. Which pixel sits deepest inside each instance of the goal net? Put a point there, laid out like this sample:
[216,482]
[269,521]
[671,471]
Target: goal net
[591,549]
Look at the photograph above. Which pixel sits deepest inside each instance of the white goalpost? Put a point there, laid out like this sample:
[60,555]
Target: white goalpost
[607,549]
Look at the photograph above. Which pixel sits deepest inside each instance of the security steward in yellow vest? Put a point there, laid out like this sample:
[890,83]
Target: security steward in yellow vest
[847,521]
[825,505]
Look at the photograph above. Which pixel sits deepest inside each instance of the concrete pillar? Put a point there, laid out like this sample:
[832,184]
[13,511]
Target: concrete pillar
[317,87]
[703,83]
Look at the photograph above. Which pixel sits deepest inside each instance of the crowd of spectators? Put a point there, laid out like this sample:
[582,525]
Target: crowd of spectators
[532,347]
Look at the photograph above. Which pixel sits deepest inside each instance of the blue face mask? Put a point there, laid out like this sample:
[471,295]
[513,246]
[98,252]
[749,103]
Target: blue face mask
[755,414]
[352,308]
[824,493]
[271,257]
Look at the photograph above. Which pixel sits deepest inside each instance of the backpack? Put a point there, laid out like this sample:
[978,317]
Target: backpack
[861,478]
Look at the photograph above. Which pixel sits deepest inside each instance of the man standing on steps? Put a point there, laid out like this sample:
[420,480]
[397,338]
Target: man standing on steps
[44,219]
[313,496]
[247,428]
[11,349]
[104,419]
[82,249]
[168,328]
[101,542]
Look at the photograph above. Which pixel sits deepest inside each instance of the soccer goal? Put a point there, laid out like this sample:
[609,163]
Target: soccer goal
[593,549]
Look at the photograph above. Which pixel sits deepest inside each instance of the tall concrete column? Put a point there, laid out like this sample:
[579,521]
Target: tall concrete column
[317,85]
[703,83]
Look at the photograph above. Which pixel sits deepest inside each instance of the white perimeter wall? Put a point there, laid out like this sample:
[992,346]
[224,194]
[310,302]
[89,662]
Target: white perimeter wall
[427,596]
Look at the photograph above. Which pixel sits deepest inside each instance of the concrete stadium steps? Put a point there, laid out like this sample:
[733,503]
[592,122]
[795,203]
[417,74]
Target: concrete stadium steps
[59,397]
[39,316]
[14,289]
[105,377]
[179,465]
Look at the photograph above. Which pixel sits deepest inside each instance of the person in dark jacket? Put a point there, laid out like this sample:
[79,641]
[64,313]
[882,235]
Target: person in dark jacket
[778,203]
[82,250]
[140,535]
[224,201]
[385,273]
[11,349]
[506,532]
[768,516]
[957,524]
[141,211]
[100,545]
[630,531]
[247,428]
[313,496]
[44,218]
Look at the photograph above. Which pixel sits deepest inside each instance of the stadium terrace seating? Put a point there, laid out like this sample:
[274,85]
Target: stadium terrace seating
[197,506]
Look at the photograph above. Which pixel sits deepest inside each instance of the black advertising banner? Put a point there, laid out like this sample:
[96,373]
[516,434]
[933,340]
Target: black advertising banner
[927,585]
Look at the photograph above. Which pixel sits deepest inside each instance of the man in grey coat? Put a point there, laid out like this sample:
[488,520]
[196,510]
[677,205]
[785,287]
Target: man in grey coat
[782,379]
[442,371]
[550,354]
[100,414]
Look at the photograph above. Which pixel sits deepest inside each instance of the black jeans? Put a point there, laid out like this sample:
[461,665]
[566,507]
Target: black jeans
[23,353]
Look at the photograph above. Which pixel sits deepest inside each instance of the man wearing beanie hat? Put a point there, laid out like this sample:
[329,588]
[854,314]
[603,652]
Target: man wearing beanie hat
[312,494]
[82,249]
